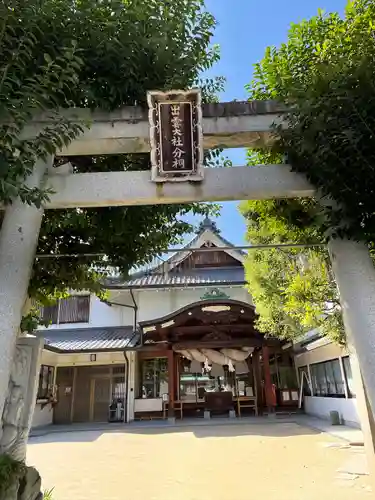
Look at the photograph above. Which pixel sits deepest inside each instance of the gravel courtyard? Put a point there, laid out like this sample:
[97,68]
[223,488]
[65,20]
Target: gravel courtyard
[280,461]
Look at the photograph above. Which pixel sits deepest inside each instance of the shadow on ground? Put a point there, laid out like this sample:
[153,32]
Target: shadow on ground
[274,429]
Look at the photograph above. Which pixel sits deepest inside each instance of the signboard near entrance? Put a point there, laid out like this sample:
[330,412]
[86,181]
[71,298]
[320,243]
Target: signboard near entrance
[176,136]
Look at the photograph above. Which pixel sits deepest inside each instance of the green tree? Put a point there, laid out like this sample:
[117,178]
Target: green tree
[293,287]
[107,54]
[324,74]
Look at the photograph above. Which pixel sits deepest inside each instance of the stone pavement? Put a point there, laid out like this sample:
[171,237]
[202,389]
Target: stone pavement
[353,435]
[273,459]
[350,434]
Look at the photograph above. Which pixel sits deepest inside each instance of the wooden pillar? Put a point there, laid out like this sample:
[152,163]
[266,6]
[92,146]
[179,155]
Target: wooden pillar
[268,388]
[177,375]
[74,388]
[257,380]
[171,382]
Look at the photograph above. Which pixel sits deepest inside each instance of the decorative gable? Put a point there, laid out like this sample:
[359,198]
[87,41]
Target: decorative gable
[208,236]
[208,259]
[197,259]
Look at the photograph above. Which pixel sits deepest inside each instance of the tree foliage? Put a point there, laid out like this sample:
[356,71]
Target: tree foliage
[324,73]
[11,471]
[293,288]
[37,70]
[96,54]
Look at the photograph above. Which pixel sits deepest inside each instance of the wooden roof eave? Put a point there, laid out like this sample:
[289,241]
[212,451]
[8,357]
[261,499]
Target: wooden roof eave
[201,303]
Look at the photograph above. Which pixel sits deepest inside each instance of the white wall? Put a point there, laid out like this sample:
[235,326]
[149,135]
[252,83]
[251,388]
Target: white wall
[149,404]
[83,359]
[49,358]
[101,314]
[154,304]
[42,416]
[324,350]
[321,407]
[320,350]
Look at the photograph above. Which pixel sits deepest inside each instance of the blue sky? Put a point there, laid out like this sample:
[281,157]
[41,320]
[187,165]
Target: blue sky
[246,28]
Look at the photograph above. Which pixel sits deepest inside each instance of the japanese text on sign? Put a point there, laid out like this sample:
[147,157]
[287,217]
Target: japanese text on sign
[176,135]
[177,141]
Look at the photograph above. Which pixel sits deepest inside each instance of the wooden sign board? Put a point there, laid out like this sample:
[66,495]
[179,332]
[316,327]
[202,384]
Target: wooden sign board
[176,135]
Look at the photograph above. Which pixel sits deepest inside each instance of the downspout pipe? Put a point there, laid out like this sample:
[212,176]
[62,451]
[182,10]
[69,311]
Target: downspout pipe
[134,306]
[127,370]
[127,364]
[126,387]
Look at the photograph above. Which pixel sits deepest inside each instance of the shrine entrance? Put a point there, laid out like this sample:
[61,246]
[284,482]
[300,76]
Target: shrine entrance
[211,361]
[213,125]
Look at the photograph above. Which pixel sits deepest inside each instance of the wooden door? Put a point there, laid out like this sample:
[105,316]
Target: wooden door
[100,399]
[81,400]
[64,382]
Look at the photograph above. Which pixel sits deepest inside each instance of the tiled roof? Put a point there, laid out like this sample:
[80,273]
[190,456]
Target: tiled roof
[90,339]
[163,275]
[230,275]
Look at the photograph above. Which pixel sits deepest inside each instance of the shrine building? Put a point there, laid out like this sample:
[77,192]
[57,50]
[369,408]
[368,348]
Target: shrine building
[176,340]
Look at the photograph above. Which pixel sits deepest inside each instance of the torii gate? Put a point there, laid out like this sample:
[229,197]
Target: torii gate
[237,124]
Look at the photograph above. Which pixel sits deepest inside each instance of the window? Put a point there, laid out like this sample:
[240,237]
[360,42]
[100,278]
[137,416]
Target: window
[194,385]
[303,372]
[154,377]
[74,309]
[45,387]
[327,379]
[348,376]
[245,384]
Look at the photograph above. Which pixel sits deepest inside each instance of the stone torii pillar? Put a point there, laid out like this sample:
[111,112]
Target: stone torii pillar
[355,276]
[18,241]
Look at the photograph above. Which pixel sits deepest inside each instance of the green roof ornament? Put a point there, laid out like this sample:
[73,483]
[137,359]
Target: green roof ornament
[214,293]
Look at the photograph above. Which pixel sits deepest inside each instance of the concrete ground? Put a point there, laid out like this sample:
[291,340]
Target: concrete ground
[274,461]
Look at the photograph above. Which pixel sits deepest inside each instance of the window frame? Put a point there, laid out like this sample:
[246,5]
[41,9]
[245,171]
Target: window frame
[351,393]
[306,386]
[55,311]
[156,380]
[317,369]
[45,393]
